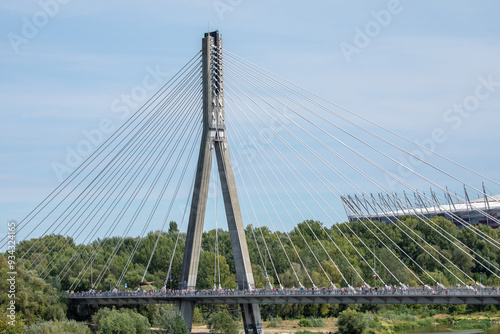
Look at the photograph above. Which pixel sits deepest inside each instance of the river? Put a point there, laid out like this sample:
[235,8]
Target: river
[445,329]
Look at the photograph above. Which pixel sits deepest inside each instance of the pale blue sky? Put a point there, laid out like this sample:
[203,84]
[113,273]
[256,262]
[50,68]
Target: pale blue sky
[62,76]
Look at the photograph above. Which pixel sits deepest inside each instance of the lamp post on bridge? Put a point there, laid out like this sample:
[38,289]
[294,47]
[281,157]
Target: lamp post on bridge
[481,281]
[374,266]
[91,278]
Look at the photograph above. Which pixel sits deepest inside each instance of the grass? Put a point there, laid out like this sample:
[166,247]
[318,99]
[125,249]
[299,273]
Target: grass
[468,324]
[390,321]
[311,322]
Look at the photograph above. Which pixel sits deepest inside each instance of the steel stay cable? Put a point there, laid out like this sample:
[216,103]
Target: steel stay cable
[246,62]
[297,113]
[314,255]
[300,140]
[378,151]
[117,182]
[177,108]
[115,250]
[262,172]
[191,189]
[287,234]
[305,269]
[216,246]
[305,241]
[168,214]
[188,160]
[264,266]
[325,201]
[262,234]
[225,171]
[464,222]
[325,212]
[158,201]
[102,243]
[145,108]
[160,197]
[275,231]
[127,156]
[300,158]
[117,172]
[102,201]
[330,148]
[129,183]
[435,259]
[281,157]
[93,156]
[140,206]
[307,163]
[429,222]
[332,209]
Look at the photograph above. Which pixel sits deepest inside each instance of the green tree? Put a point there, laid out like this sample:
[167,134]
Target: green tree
[206,272]
[351,322]
[221,322]
[124,321]
[171,321]
[57,327]
[34,298]
[172,228]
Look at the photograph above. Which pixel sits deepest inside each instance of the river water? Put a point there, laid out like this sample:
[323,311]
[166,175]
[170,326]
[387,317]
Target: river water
[445,329]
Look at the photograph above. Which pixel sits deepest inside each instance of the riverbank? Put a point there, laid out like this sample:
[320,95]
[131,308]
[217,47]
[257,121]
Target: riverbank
[393,323]
[389,323]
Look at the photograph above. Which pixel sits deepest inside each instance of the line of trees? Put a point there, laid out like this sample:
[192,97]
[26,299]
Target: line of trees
[350,245]
[305,247]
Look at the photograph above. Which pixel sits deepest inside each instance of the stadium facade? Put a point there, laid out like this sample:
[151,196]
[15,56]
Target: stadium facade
[389,208]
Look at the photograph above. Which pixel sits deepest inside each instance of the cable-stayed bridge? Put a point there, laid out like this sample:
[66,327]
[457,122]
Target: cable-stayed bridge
[225,134]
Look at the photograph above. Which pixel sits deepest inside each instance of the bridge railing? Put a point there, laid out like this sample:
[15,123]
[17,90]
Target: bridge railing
[390,291]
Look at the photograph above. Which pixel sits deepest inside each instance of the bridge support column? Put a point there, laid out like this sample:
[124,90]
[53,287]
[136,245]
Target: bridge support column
[252,322]
[214,139]
[186,308]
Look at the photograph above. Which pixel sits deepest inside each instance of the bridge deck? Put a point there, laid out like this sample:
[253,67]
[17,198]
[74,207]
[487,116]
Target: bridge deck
[410,296]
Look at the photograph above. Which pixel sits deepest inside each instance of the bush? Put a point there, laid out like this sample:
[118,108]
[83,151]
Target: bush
[221,322]
[317,323]
[124,321]
[57,327]
[274,322]
[311,322]
[351,322]
[197,316]
[173,323]
[304,323]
